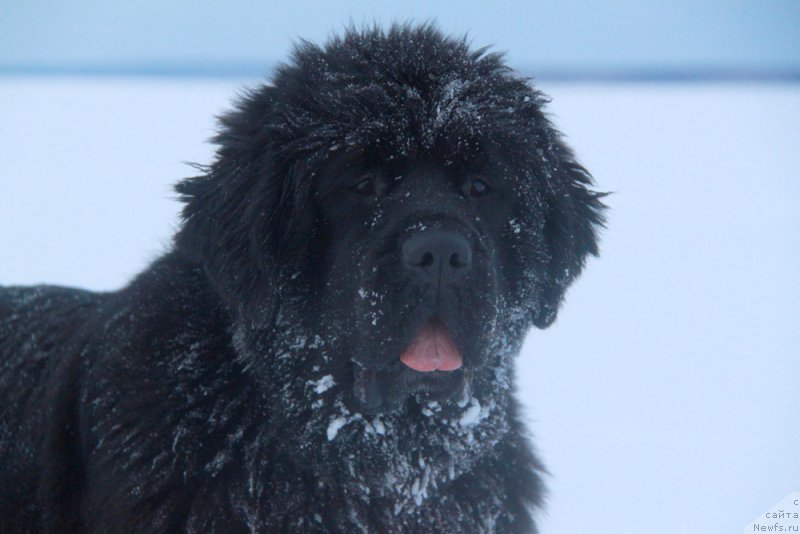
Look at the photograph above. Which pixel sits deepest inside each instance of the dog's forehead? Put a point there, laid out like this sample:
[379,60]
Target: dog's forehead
[402,94]
[398,119]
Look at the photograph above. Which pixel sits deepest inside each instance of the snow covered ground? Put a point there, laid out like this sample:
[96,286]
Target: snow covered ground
[665,398]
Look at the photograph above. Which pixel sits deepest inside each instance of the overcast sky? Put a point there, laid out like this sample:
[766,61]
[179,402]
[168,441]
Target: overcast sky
[564,34]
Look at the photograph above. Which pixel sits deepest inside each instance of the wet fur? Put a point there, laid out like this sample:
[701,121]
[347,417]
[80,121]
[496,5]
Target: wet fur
[213,393]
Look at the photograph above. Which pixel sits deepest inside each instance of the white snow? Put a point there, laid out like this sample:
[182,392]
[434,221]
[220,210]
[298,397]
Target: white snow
[378,426]
[471,415]
[334,426]
[663,397]
[322,385]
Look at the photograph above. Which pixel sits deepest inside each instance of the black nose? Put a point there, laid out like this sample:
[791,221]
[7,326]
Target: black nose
[438,257]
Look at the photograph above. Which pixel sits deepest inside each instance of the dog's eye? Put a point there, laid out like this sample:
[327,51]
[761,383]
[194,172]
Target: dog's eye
[366,186]
[479,188]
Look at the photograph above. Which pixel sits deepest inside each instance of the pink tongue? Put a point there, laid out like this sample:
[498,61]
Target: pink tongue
[432,350]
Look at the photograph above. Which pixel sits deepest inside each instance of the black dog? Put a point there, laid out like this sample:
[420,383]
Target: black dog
[329,345]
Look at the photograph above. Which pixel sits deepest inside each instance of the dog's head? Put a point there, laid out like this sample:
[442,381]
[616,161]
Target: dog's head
[405,199]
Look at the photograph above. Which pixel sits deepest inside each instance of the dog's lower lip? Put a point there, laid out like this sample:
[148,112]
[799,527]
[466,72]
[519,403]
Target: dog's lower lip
[368,382]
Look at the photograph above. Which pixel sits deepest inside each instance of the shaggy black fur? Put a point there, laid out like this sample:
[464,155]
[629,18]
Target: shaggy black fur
[249,380]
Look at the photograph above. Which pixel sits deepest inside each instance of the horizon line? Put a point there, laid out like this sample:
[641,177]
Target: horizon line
[233,70]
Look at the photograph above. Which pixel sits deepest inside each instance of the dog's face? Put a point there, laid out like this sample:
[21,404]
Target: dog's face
[401,197]
[413,266]
[411,256]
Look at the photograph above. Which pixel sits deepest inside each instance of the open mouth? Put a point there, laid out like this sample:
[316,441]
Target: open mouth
[431,367]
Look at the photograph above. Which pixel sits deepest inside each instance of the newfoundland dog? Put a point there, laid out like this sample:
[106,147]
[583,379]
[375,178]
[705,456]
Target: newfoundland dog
[329,344]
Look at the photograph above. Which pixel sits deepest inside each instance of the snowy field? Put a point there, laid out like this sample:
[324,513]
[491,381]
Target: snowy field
[665,398]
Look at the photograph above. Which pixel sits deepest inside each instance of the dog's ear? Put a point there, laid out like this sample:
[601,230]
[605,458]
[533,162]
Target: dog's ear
[235,213]
[574,216]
